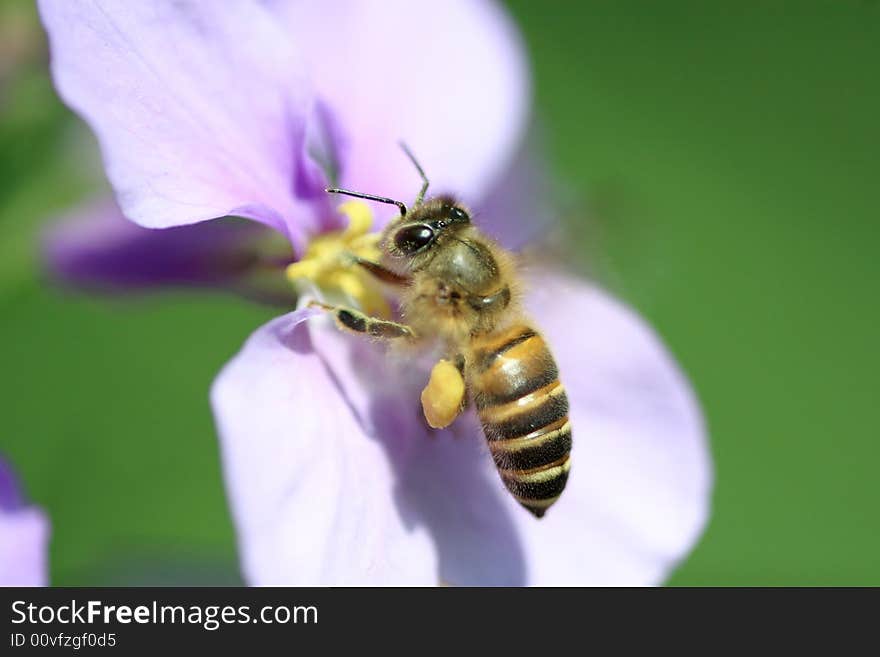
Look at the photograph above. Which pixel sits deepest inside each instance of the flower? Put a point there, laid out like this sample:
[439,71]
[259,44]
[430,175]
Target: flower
[333,477]
[24,536]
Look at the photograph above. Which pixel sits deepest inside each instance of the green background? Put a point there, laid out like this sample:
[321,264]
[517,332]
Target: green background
[728,156]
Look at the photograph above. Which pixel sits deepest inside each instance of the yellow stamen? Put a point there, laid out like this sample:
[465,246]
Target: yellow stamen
[360,219]
[328,264]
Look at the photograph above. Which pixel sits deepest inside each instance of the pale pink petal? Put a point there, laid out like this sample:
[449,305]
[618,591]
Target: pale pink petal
[311,494]
[24,536]
[443,481]
[521,210]
[449,78]
[200,111]
[24,548]
[325,448]
[638,495]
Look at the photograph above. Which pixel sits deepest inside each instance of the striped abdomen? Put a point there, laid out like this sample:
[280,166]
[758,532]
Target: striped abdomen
[522,406]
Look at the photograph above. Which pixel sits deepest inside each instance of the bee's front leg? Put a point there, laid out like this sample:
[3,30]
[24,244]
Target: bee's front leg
[353,320]
[380,272]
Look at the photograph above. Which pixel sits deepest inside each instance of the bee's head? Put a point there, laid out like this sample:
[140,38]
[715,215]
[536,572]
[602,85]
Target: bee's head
[429,222]
[425,225]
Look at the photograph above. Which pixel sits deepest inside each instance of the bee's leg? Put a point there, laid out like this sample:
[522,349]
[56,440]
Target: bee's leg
[353,320]
[380,272]
[459,365]
[444,396]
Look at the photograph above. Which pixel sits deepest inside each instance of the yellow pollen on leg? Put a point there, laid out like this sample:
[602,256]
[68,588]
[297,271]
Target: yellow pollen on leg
[328,263]
[442,397]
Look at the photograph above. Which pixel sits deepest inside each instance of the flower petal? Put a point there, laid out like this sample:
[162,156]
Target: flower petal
[24,537]
[316,423]
[448,78]
[520,210]
[200,112]
[334,477]
[638,494]
[96,248]
[311,494]
[444,481]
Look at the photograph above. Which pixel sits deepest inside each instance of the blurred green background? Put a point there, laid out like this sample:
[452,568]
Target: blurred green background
[728,153]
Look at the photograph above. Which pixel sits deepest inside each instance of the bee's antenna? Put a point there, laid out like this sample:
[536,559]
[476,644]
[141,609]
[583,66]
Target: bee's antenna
[412,158]
[369,197]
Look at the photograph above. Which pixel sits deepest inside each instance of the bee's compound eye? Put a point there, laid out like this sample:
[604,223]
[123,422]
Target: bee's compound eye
[412,238]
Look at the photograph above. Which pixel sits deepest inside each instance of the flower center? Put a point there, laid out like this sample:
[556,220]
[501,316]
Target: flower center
[328,269]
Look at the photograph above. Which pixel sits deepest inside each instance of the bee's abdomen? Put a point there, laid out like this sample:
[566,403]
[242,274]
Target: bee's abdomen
[524,412]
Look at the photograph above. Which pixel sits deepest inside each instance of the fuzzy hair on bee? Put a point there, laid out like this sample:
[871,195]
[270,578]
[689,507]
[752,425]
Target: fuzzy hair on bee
[460,290]
[462,282]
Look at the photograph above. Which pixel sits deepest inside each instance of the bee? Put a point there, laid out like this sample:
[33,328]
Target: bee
[459,289]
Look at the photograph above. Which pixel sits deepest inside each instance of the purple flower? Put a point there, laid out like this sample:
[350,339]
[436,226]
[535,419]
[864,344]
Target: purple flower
[24,536]
[333,477]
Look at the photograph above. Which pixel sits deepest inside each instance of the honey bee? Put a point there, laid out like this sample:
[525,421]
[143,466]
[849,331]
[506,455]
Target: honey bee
[459,289]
